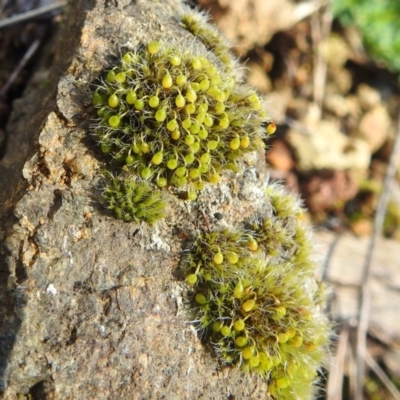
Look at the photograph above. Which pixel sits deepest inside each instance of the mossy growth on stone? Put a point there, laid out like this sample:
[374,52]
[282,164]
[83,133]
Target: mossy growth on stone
[258,301]
[132,200]
[176,117]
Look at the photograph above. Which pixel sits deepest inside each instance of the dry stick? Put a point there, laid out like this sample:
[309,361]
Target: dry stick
[380,373]
[335,380]
[30,14]
[27,56]
[365,292]
[320,30]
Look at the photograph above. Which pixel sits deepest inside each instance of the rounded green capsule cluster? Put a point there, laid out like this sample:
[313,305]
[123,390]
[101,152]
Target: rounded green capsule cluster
[175,117]
[133,201]
[258,299]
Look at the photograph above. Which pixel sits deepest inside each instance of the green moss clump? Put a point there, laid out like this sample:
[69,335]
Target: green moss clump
[258,300]
[175,117]
[134,201]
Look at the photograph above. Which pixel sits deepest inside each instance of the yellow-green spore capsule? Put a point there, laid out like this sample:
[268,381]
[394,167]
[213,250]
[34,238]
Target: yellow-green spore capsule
[138,104]
[248,352]
[180,181]
[215,177]
[175,60]
[192,279]
[233,258]
[181,172]
[283,337]
[280,311]
[241,341]
[217,325]
[157,158]
[97,99]
[131,97]
[167,81]
[212,144]
[219,108]
[196,63]
[186,123]
[195,86]
[110,77]
[239,325]
[194,173]
[161,182]
[203,134]
[205,158]
[234,144]
[161,115]
[208,121]
[198,185]
[238,291]
[146,173]
[172,125]
[114,121]
[154,101]
[153,47]
[282,383]
[201,298]
[248,305]
[189,139]
[204,84]
[190,108]
[297,341]
[224,122]
[226,330]
[181,80]
[172,163]
[253,245]
[218,258]
[180,101]
[189,158]
[175,135]
[195,128]
[113,101]
[191,95]
[120,77]
[130,159]
[245,142]
[144,148]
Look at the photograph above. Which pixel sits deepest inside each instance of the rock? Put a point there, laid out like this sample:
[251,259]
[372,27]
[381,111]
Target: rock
[328,148]
[368,96]
[374,127]
[92,307]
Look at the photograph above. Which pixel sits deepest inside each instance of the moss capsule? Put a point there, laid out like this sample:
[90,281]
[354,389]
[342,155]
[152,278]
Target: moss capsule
[201,298]
[167,81]
[157,158]
[153,47]
[248,352]
[114,121]
[239,325]
[225,330]
[180,101]
[218,258]
[241,341]
[192,279]
[131,97]
[113,101]
[154,101]
[248,305]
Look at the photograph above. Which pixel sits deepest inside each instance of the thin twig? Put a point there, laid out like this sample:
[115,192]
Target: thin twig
[336,373]
[27,56]
[380,373]
[320,30]
[365,292]
[30,14]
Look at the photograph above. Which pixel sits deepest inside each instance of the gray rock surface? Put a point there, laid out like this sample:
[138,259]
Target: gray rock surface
[92,307]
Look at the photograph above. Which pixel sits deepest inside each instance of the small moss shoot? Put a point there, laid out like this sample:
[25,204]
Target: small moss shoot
[133,201]
[258,300]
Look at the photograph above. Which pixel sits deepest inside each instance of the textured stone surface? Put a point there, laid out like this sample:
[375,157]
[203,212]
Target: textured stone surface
[91,307]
